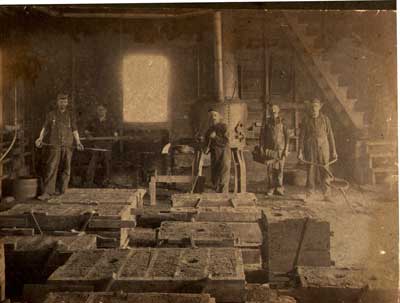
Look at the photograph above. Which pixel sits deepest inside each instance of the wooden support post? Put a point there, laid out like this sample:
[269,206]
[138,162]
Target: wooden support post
[152,190]
[1,115]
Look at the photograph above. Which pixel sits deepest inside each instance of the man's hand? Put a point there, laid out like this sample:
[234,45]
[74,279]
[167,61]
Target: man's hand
[334,157]
[300,156]
[115,136]
[285,153]
[88,134]
[213,135]
[79,146]
[39,142]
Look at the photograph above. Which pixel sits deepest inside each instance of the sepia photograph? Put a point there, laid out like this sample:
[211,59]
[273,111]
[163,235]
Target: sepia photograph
[199,153]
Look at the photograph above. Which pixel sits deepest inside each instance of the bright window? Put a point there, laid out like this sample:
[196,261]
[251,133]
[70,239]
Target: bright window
[145,88]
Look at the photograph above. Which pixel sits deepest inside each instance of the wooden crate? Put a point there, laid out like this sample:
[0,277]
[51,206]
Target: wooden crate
[342,284]
[293,235]
[214,200]
[217,271]
[84,297]
[202,234]
[94,196]
[31,259]
[106,220]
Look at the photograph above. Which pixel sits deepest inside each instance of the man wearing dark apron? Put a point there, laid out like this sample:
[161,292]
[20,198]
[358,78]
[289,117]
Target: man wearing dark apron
[274,141]
[217,140]
[317,146]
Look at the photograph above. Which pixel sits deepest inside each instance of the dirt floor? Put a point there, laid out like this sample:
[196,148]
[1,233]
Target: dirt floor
[365,230]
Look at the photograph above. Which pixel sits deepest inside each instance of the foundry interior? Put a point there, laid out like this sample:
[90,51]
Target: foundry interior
[197,154]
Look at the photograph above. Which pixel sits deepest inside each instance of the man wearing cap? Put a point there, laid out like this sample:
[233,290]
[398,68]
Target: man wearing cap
[274,141]
[217,143]
[317,146]
[60,129]
[101,126]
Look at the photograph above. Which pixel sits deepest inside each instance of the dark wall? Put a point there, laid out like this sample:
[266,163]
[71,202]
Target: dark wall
[84,58]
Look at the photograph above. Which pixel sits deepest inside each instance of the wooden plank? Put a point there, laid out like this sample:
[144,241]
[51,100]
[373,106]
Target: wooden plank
[109,223]
[204,234]
[17,232]
[79,297]
[173,179]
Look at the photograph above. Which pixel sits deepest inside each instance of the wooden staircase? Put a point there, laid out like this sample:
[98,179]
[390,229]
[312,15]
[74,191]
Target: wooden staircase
[381,158]
[321,67]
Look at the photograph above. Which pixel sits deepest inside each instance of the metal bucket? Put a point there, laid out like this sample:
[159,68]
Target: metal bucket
[297,177]
[25,188]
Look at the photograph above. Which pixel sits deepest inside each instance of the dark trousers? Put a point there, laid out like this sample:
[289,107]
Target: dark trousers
[275,174]
[99,157]
[318,175]
[221,169]
[58,162]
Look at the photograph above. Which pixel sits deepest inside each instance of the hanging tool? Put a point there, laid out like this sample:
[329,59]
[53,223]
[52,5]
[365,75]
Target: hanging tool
[198,167]
[86,148]
[107,138]
[2,157]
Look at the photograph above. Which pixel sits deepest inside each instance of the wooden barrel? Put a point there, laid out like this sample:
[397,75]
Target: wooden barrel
[25,188]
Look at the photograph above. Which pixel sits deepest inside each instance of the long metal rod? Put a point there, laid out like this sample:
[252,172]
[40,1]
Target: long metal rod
[127,15]
[86,148]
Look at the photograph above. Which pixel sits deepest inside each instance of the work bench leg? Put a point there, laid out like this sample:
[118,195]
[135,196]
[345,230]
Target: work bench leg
[152,190]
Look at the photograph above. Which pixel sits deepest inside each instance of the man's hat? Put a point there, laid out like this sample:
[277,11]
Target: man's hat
[62,96]
[212,109]
[314,101]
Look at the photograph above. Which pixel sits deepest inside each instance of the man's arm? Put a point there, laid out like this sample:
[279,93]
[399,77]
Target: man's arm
[79,145]
[43,131]
[75,133]
[222,137]
[300,153]
[331,139]
[287,139]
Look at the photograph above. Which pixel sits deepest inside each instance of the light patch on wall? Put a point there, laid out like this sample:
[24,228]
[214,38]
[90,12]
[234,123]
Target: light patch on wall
[145,88]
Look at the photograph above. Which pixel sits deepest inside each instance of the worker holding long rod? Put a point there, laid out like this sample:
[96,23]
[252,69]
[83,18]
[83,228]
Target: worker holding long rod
[61,130]
[317,148]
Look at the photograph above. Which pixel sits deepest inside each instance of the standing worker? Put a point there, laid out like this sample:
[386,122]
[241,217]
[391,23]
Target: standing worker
[217,141]
[274,141]
[101,126]
[317,146]
[61,129]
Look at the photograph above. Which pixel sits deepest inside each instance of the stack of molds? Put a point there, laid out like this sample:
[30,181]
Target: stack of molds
[111,222]
[293,235]
[217,207]
[31,259]
[79,297]
[217,271]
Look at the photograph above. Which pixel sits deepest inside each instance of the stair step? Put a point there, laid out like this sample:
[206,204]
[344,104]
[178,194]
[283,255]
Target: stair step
[381,142]
[309,46]
[384,170]
[382,155]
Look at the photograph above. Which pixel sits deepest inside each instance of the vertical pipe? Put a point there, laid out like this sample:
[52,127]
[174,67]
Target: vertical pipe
[219,77]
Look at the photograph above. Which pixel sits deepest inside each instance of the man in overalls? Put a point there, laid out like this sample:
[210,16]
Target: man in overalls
[317,146]
[217,143]
[274,141]
[60,128]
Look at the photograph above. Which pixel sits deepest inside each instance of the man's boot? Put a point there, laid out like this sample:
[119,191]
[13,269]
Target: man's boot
[280,191]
